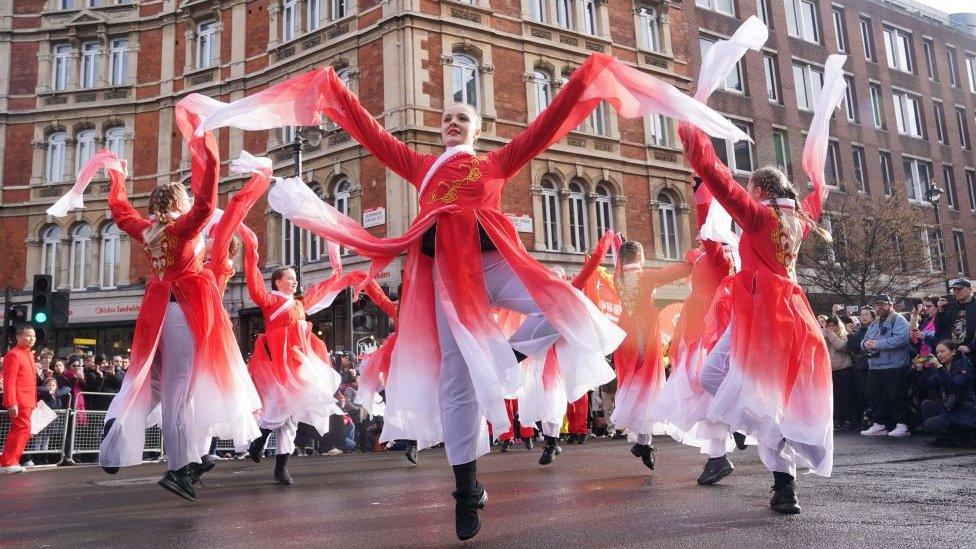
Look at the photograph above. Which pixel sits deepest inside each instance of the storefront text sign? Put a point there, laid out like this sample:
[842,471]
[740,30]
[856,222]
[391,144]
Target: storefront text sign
[523,223]
[374,217]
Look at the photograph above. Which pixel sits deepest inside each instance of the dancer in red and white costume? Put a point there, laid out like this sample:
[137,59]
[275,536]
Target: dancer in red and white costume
[463,256]
[526,432]
[186,365]
[639,361]
[769,370]
[683,403]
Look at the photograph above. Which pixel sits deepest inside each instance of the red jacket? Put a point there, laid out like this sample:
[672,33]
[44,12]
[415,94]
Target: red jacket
[19,379]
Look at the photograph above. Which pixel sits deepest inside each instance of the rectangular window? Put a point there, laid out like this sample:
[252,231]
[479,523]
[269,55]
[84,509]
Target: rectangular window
[598,121]
[840,29]
[564,13]
[650,32]
[887,172]
[772,78]
[590,25]
[971,73]
[867,39]
[898,48]
[765,12]
[734,82]
[929,50]
[940,123]
[289,19]
[338,9]
[832,166]
[807,82]
[917,175]
[739,157]
[937,252]
[962,262]
[659,130]
[908,114]
[860,169]
[314,14]
[971,189]
[206,36]
[538,10]
[61,67]
[781,150]
[950,187]
[877,112]
[119,62]
[722,6]
[963,127]
[91,53]
[953,69]
[850,100]
[801,20]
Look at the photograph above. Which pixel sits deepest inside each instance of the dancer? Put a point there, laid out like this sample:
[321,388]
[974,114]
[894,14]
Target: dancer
[769,371]
[526,432]
[463,257]
[639,360]
[186,365]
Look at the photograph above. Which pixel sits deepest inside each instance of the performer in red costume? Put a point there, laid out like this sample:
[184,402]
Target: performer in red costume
[639,360]
[525,432]
[186,364]
[463,256]
[683,403]
[19,398]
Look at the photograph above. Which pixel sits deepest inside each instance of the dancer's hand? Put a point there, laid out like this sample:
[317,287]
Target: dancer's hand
[12,411]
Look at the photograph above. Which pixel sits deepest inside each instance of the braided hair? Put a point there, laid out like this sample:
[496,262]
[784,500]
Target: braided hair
[776,186]
[165,198]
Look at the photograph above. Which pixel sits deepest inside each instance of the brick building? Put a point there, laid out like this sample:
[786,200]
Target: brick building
[908,117]
[87,74]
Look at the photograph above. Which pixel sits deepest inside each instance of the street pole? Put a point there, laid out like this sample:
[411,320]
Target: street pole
[7,304]
[296,232]
[933,194]
[351,336]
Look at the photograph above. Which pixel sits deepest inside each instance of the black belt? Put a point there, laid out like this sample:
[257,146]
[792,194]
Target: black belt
[428,241]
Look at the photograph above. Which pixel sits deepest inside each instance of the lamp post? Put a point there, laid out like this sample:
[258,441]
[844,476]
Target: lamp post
[932,195]
[311,135]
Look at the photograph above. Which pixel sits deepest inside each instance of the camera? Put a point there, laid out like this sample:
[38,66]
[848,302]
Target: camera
[872,353]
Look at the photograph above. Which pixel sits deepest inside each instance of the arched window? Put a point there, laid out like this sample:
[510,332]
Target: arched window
[465,87]
[564,13]
[542,88]
[341,195]
[578,225]
[604,209]
[668,216]
[550,215]
[111,256]
[54,168]
[50,248]
[80,256]
[314,244]
[84,148]
[115,141]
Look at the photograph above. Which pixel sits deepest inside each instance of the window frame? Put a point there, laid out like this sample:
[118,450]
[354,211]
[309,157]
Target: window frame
[51,252]
[810,94]
[463,63]
[867,39]
[79,258]
[118,61]
[898,49]
[551,215]
[206,36]
[949,181]
[859,167]
[796,24]
[91,52]
[771,70]
[887,171]
[579,227]
[60,67]
[928,50]
[962,261]
[963,127]
[840,28]
[111,262]
[908,108]
[84,148]
[941,131]
[669,238]
[850,100]
[57,142]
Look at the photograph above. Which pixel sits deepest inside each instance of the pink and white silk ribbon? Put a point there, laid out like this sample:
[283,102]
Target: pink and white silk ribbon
[815,148]
[73,199]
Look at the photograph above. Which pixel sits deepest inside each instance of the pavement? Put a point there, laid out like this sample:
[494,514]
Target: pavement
[885,493]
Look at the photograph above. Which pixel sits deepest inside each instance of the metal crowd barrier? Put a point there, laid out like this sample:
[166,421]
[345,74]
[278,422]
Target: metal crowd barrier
[50,441]
[87,427]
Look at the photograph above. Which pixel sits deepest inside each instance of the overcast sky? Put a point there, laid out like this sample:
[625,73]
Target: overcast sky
[951,6]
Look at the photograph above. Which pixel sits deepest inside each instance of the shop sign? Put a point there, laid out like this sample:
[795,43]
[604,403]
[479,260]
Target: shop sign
[374,217]
[523,223]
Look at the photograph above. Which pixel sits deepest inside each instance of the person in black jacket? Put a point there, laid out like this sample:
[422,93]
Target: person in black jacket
[953,416]
[854,339]
[956,318]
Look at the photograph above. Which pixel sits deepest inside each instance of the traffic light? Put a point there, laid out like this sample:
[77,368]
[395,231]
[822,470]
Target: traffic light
[41,305]
[60,300]
[15,316]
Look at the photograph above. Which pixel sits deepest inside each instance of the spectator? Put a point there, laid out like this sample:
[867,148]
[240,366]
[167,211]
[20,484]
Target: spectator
[923,334]
[842,371]
[953,415]
[956,318]
[822,321]
[349,428]
[886,343]
[118,367]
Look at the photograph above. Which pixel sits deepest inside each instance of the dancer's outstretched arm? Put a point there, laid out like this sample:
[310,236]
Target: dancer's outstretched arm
[237,209]
[252,273]
[205,173]
[593,261]
[123,214]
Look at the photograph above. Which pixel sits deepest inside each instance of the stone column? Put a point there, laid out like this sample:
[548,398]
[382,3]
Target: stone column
[664,29]
[538,227]
[274,8]
[564,221]
[591,215]
[64,262]
[189,38]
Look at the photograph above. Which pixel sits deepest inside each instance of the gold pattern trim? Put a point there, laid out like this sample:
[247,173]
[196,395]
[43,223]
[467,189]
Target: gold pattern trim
[451,191]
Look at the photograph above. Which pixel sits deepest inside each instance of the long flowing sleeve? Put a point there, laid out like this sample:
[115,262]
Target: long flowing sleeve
[700,153]
[237,209]
[593,261]
[379,297]
[562,116]
[123,214]
[252,273]
[654,278]
[205,174]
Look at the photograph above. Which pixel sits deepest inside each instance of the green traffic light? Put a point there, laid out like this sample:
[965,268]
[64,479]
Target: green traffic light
[40,317]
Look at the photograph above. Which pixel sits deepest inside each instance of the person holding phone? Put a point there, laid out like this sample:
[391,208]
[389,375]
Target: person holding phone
[956,317]
[886,344]
[950,373]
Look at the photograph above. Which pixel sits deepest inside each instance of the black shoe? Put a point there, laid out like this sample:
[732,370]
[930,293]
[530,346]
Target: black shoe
[197,470]
[519,356]
[784,499]
[281,474]
[411,454]
[581,439]
[715,470]
[740,440]
[179,483]
[550,452]
[109,470]
[256,449]
[529,443]
[506,444]
[467,523]
[646,453]
[570,439]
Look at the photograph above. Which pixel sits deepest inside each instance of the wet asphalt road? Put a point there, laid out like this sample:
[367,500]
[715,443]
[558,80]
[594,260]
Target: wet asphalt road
[884,493]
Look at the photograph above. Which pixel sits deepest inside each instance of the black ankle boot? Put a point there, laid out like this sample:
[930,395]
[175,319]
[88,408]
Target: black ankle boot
[179,482]
[256,449]
[281,474]
[467,523]
[197,470]
[715,470]
[550,452]
[646,453]
[784,498]
[529,443]
[506,444]
[740,440]
[411,454]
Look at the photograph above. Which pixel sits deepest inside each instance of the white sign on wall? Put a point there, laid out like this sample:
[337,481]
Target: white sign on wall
[523,223]
[374,217]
